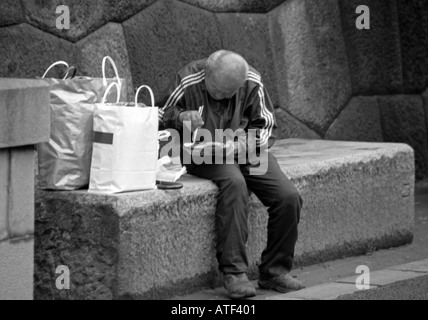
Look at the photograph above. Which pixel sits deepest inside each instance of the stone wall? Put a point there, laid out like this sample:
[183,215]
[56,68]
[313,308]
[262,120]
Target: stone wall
[24,121]
[326,78]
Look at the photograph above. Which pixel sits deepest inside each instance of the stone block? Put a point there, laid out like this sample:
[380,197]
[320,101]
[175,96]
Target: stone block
[249,35]
[403,121]
[157,244]
[10,12]
[374,55]
[254,6]
[290,127]
[160,42]
[24,112]
[107,41]
[4,193]
[121,10]
[413,19]
[29,52]
[425,99]
[359,121]
[16,269]
[311,59]
[85,239]
[21,192]
[85,16]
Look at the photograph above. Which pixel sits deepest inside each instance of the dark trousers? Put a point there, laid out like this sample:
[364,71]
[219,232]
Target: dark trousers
[276,192]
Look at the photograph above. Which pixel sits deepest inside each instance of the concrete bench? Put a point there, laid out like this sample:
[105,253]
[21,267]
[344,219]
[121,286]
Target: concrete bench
[358,197]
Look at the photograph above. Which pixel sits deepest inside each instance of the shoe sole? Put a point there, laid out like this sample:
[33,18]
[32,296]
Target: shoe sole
[267,285]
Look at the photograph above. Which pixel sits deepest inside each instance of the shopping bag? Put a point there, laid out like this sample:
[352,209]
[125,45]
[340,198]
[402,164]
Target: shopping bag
[64,162]
[125,146]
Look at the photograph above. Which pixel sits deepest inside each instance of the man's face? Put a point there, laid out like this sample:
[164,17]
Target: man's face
[220,91]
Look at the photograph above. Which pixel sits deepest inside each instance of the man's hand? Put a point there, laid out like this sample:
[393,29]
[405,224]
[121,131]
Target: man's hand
[219,150]
[194,117]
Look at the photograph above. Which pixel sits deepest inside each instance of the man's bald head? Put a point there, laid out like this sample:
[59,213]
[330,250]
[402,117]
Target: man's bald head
[226,72]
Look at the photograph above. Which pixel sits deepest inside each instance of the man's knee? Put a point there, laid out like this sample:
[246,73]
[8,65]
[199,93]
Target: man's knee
[289,198]
[236,185]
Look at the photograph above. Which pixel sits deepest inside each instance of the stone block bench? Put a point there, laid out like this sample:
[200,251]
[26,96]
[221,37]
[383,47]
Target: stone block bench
[358,197]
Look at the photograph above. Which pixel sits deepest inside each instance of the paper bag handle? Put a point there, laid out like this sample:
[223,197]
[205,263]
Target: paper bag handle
[115,71]
[151,95]
[111,85]
[63,63]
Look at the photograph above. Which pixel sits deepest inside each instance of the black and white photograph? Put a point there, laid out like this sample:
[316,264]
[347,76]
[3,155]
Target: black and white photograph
[214,157]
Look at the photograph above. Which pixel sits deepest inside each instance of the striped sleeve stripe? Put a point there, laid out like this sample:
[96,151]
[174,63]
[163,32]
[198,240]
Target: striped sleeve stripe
[269,126]
[179,91]
[266,114]
[181,94]
[256,78]
[254,75]
[182,83]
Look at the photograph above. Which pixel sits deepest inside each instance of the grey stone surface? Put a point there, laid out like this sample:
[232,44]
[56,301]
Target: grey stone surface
[374,55]
[4,194]
[85,16]
[425,100]
[160,42]
[413,18]
[121,10]
[24,112]
[81,232]
[418,266]
[107,41]
[290,127]
[328,291]
[384,277]
[236,5]
[249,35]
[411,289]
[310,55]
[157,244]
[16,269]
[10,12]
[29,52]
[359,121]
[403,121]
[21,192]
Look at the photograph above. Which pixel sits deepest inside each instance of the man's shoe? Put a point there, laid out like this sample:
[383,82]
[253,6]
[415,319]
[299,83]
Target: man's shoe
[238,286]
[284,283]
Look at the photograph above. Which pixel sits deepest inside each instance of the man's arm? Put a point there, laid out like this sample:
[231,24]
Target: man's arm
[173,105]
[262,119]
[175,111]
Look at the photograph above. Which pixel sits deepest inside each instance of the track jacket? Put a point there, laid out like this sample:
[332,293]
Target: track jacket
[249,108]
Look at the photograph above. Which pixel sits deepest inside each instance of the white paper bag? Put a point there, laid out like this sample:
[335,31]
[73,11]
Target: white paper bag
[125,148]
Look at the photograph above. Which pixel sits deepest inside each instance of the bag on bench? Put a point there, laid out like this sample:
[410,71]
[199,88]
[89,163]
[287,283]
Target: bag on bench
[125,146]
[64,162]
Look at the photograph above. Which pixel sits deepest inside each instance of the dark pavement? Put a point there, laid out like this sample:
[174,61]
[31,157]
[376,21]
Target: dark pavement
[413,289]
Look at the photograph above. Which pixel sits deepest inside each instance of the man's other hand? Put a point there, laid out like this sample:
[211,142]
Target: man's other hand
[194,117]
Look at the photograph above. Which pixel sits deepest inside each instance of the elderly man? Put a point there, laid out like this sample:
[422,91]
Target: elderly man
[234,97]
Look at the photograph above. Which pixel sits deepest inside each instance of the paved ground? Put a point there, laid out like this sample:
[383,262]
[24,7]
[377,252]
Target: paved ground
[413,289]
[336,279]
